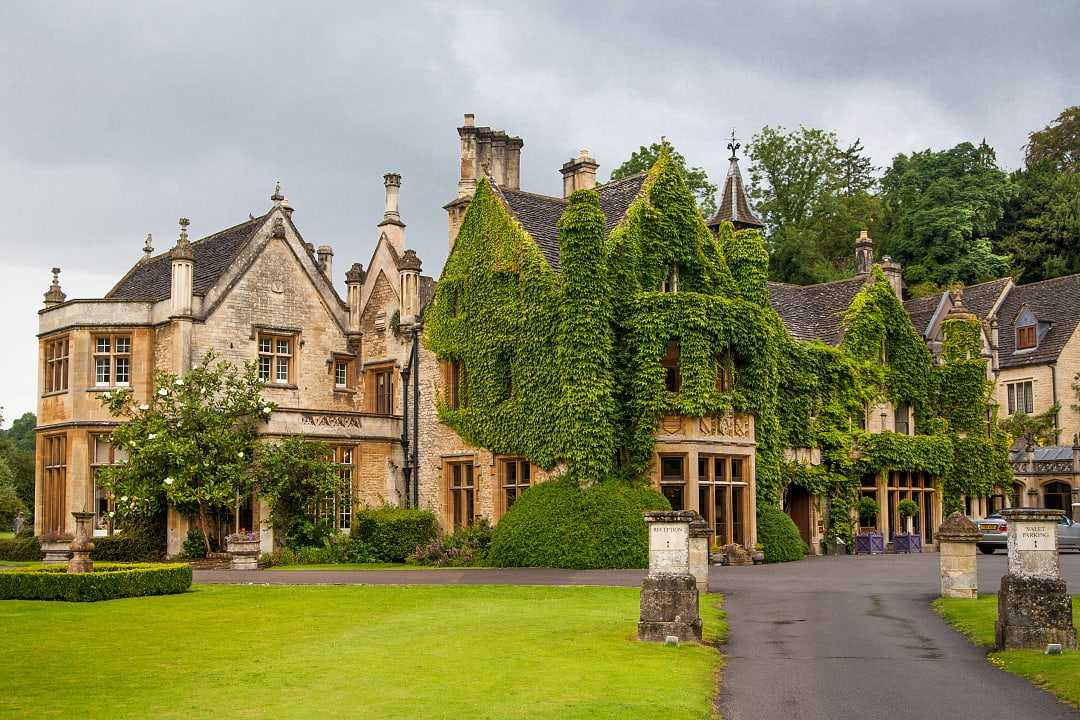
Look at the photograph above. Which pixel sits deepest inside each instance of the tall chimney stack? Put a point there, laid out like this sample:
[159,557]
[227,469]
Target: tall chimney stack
[484,153]
[579,174]
[864,253]
[391,224]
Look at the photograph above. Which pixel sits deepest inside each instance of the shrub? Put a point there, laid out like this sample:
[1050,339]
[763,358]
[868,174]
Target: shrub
[20,549]
[394,533]
[108,581]
[136,544]
[777,532]
[337,549]
[467,546]
[194,548]
[557,524]
[10,506]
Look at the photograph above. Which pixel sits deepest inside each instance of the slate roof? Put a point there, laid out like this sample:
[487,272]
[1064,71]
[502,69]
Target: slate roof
[815,312]
[734,207]
[1056,302]
[980,299]
[151,280]
[1050,452]
[539,214]
[921,311]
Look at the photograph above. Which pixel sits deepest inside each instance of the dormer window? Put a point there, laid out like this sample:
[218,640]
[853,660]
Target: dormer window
[671,280]
[1027,331]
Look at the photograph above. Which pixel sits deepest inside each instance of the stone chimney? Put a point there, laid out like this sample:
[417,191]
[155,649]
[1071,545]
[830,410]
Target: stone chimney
[995,363]
[893,275]
[183,273]
[54,295]
[864,253]
[579,174]
[484,153]
[148,247]
[354,282]
[391,224]
[409,286]
[326,260]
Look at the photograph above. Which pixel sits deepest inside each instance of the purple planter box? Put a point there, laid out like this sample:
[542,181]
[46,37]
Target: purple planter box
[869,544]
[906,543]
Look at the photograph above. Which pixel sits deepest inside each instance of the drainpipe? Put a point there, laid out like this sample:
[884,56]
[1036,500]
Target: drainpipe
[415,362]
[406,468]
[1053,391]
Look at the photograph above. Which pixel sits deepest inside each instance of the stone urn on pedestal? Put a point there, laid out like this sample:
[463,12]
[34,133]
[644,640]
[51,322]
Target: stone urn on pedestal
[56,547]
[243,549]
[83,544]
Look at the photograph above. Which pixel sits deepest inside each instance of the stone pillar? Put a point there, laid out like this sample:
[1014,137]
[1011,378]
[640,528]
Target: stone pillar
[956,551]
[669,594]
[81,546]
[1034,606]
[699,552]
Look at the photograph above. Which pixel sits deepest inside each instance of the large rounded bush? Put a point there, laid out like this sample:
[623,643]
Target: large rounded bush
[557,524]
[778,533]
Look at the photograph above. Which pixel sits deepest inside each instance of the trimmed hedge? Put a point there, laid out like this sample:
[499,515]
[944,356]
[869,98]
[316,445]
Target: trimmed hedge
[557,524]
[108,581]
[393,534]
[135,545]
[778,533]
[21,549]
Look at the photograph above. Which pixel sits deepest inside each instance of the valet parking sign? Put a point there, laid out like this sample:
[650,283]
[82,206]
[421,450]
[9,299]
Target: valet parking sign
[1035,536]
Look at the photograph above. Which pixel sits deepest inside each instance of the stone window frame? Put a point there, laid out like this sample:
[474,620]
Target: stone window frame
[54,482]
[340,508]
[510,488]
[727,483]
[380,404]
[671,482]
[337,360]
[1014,389]
[111,351]
[911,485]
[725,371]
[103,524]
[56,364]
[454,380]
[273,354]
[461,470]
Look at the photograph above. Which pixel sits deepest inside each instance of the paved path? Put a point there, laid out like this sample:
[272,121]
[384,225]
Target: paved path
[825,638]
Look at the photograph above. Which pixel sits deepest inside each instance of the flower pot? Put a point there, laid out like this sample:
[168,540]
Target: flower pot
[871,543]
[243,554]
[907,543]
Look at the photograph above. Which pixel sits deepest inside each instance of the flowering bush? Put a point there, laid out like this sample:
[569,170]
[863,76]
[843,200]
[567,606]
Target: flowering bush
[467,546]
[242,536]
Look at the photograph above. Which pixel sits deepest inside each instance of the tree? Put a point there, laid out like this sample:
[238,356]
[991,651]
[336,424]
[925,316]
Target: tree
[291,475]
[17,452]
[940,209]
[191,445]
[696,179]
[1035,430]
[21,432]
[814,196]
[1057,145]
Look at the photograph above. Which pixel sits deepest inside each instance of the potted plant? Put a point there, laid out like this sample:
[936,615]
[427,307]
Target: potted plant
[759,554]
[243,549]
[869,541]
[907,541]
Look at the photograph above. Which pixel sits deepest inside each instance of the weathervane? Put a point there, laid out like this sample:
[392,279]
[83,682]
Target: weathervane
[733,145]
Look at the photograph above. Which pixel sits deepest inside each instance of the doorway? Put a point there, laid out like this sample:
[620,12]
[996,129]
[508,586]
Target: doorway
[1057,495]
[797,506]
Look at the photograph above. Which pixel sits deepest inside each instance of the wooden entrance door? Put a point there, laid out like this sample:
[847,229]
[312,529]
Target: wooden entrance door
[798,507]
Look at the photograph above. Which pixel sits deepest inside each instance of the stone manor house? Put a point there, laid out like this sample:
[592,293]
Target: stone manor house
[354,372]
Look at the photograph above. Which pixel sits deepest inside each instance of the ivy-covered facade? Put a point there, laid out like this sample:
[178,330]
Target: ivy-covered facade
[613,332]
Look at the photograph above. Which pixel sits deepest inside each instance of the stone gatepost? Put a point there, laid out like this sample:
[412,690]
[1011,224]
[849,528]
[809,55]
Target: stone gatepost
[669,594]
[699,553]
[956,550]
[1034,607]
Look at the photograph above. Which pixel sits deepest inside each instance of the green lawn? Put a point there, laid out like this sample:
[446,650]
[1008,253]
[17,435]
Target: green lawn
[364,566]
[975,619]
[6,535]
[360,651]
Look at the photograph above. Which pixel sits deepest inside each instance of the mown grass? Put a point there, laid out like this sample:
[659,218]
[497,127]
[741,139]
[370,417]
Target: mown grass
[975,618]
[363,566]
[352,651]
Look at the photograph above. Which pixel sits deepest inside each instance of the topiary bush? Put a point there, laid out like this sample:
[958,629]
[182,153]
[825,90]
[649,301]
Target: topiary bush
[394,533]
[107,582]
[20,549]
[557,524]
[777,532]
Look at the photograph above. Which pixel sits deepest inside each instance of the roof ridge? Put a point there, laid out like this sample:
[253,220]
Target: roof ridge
[533,194]
[628,178]
[211,236]
[1074,276]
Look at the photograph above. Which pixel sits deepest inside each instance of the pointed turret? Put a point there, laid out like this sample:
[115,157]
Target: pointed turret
[734,205]
[55,296]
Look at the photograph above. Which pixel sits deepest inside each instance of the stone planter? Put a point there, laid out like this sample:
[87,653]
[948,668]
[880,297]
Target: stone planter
[244,554]
[907,543]
[57,552]
[872,543]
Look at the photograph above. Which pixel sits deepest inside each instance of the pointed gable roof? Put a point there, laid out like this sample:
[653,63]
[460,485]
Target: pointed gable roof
[734,205]
[150,279]
[1053,302]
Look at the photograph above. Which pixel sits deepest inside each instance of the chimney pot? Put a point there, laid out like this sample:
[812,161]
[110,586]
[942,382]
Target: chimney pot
[470,120]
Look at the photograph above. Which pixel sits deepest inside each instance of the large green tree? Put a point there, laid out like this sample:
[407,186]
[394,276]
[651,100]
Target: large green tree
[814,194]
[17,453]
[696,179]
[940,209]
[1057,144]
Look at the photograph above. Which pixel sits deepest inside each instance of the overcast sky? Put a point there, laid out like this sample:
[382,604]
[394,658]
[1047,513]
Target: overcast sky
[119,118]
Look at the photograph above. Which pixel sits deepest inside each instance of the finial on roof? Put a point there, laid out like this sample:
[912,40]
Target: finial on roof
[958,311]
[277,197]
[148,248]
[55,295]
[733,145]
[183,250]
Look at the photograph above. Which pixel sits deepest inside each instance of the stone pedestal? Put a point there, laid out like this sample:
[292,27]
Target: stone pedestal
[57,552]
[669,595]
[83,543]
[699,553]
[956,553]
[1034,607]
[244,554]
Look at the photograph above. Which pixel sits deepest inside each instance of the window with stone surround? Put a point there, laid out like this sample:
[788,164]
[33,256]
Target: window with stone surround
[54,483]
[725,372]
[455,384]
[380,389]
[1020,397]
[670,362]
[337,509]
[344,373]
[724,497]
[56,365]
[515,476]
[103,454]
[276,353]
[673,480]
[462,501]
[112,360]
[902,419]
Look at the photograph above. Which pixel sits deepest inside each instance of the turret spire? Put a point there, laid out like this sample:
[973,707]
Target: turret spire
[55,295]
[734,205]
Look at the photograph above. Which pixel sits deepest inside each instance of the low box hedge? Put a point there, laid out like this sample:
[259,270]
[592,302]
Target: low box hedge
[137,545]
[393,534]
[20,549]
[108,581]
